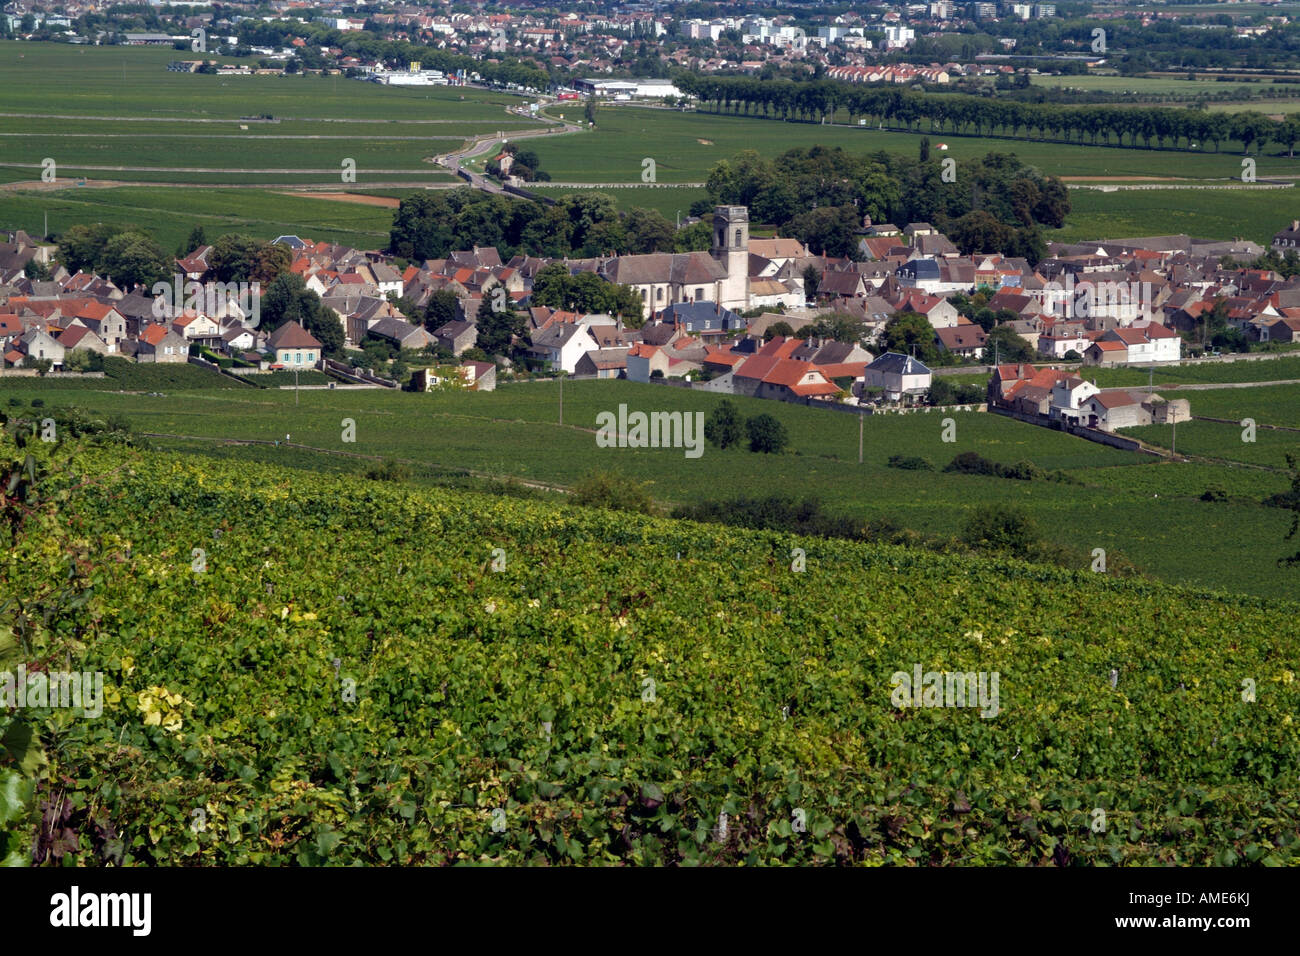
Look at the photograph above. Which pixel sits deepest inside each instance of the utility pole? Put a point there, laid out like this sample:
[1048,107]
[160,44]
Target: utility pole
[561,396]
[1173,444]
[860,417]
[295,386]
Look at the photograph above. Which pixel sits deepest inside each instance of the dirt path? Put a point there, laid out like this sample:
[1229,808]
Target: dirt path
[387,202]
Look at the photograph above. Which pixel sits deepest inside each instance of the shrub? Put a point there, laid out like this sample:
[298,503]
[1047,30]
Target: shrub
[607,489]
[389,470]
[766,434]
[910,463]
[1000,528]
[38,403]
[1215,493]
[723,428]
[971,463]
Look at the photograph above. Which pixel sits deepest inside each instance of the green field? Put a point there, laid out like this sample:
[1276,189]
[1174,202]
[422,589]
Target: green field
[51,79]
[1203,213]
[513,433]
[116,114]
[1283,368]
[668,200]
[1271,405]
[624,136]
[1156,86]
[1222,441]
[348,678]
[170,214]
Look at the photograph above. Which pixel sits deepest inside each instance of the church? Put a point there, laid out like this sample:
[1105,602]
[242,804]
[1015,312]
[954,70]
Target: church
[720,275]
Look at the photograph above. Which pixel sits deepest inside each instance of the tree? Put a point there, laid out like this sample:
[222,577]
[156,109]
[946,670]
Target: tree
[80,247]
[1000,528]
[239,258]
[36,271]
[766,434]
[442,308]
[132,258]
[908,331]
[648,231]
[197,238]
[723,427]
[589,111]
[1007,346]
[778,328]
[497,327]
[289,300]
[811,280]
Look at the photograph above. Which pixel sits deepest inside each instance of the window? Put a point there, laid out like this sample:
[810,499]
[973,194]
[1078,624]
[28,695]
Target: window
[297,360]
[659,296]
[738,232]
[699,295]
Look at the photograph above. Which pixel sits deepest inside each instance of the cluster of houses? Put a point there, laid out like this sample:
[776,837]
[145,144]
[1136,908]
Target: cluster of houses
[1063,395]
[46,321]
[706,316]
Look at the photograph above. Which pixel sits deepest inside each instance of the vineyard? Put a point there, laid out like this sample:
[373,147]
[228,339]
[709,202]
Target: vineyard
[330,670]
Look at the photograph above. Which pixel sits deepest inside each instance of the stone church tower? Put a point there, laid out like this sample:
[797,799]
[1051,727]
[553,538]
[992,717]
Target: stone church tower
[731,249]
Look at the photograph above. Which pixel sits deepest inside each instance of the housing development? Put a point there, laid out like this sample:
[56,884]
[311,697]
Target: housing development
[650,434]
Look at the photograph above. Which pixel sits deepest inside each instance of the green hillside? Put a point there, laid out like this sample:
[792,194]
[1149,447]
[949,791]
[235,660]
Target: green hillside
[348,679]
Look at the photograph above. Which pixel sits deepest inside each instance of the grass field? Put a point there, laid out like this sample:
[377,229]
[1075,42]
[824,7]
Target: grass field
[513,433]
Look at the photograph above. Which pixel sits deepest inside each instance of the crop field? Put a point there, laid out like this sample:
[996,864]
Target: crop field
[1272,405]
[669,200]
[170,214]
[1282,368]
[1152,85]
[616,686]
[513,433]
[116,82]
[1254,214]
[1224,441]
[123,118]
[685,146]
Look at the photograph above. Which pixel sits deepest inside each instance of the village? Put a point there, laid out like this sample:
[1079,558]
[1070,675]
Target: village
[760,317]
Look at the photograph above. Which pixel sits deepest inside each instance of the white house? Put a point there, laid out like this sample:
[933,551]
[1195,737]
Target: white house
[561,344]
[1069,396]
[898,375]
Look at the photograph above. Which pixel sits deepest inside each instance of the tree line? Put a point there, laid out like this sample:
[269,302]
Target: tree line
[819,100]
[429,225]
[821,196]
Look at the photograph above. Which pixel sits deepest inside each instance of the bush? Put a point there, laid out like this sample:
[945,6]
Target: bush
[389,470]
[766,434]
[15,402]
[38,403]
[972,463]
[607,489]
[1000,528]
[1215,493]
[723,428]
[910,463]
